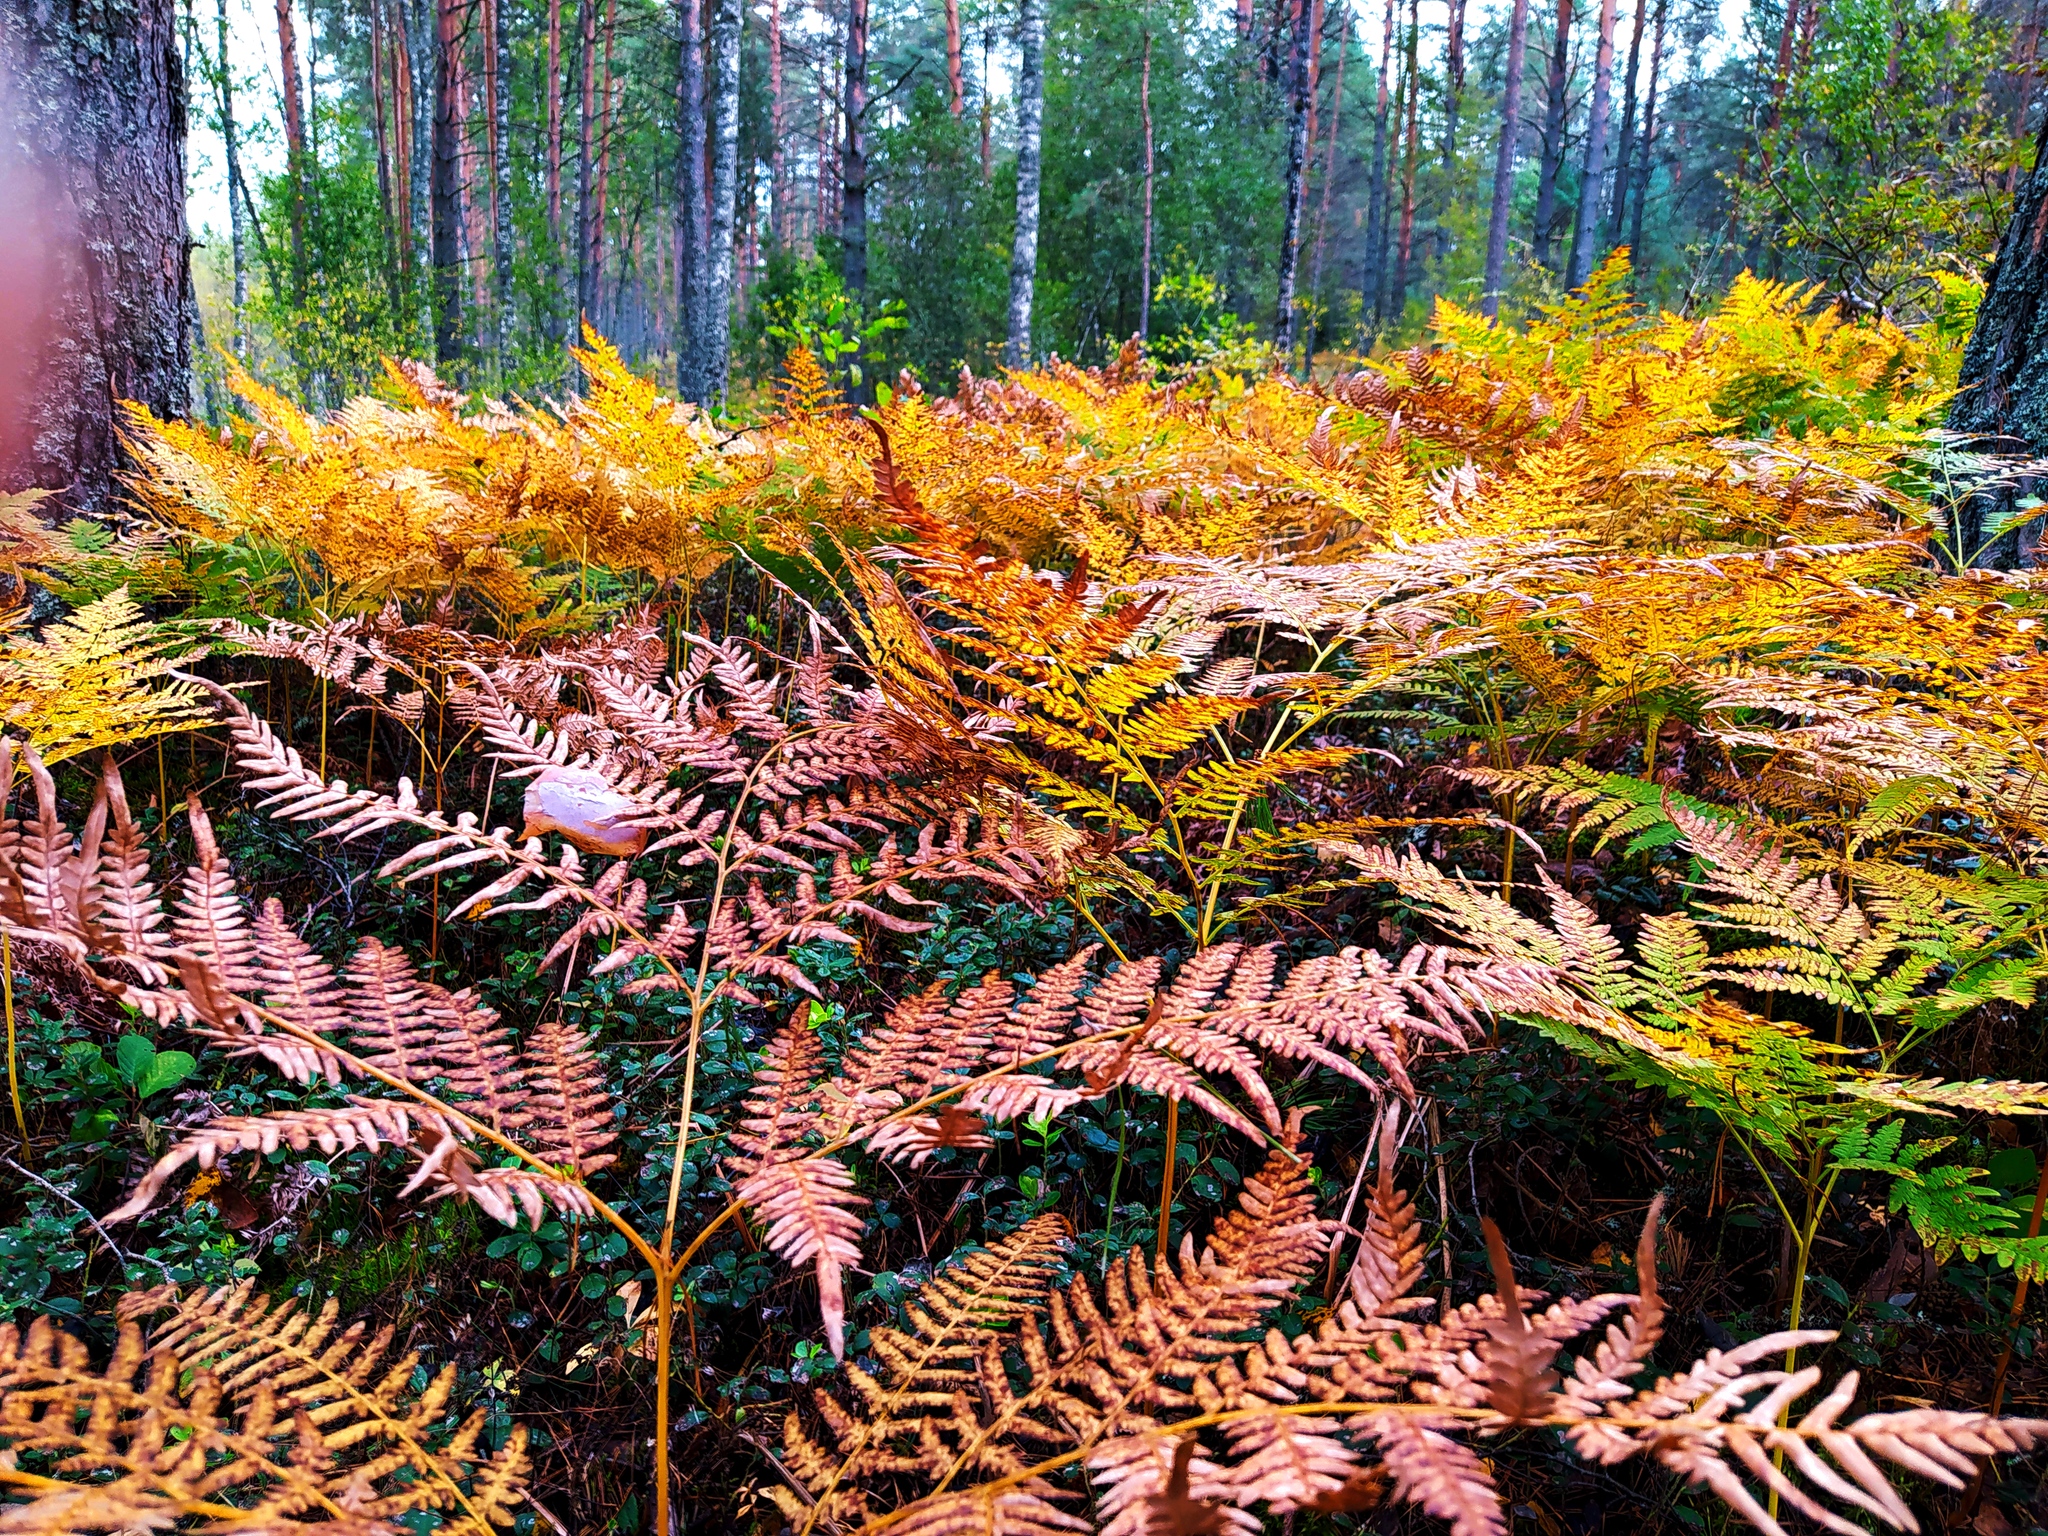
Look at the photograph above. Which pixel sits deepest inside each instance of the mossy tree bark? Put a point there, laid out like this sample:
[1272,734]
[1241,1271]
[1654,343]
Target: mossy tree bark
[94,265]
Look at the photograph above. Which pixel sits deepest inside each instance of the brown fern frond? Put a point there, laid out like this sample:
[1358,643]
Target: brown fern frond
[809,1207]
[366,1123]
[1517,1358]
[1393,1249]
[1442,1475]
[1622,1352]
[571,1109]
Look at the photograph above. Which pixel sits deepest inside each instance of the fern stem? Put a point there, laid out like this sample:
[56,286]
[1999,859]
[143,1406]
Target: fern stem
[1166,1174]
[28,1155]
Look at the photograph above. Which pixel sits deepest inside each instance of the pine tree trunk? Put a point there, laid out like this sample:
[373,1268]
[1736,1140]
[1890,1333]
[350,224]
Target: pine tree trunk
[1145,247]
[447,189]
[422,28]
[232,155]
[1244,18]
[1030,113]
[294,140]
[1557,99]
[2003,400]
[853,160]
[1585,229]
[1504,164]
[692,234]
[1297,161]
[1625,145]
[94,262]
[725,159]
[1642,171]
[956,83]
[1373,282]
[1406,247]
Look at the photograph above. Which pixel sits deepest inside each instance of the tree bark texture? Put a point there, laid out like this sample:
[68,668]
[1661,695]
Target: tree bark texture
[1145,251]
[1297,162]
[1454,82]
[1556,99]
[1625,145]
[1642,168]
[2003,402]
[1405,244]
[1585,229]
[447,190]
[853,154]
[94,263]
[231,150]
[1504,164]
[586,171]
[294,139]
[956,83]
[778,187]
[1373,280]
[1315,266]
[553,171]
[1030,116]
[692,233]
[725,160]
[500,44]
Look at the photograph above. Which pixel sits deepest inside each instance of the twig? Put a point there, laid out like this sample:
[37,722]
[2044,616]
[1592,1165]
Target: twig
[112,1247]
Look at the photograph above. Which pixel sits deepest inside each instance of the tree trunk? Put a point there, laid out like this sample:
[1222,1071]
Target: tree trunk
[93,269]
[421,29]
[1244,18]
[1585,229]
[586,167]
[1297,161]
[500,44]
[607,116]
[1642,175]
[1454,83]
[778,191]
[1373,283]
[692,234]
[725,159]
[956,84]
[1504,164]
[853,163]
[988,160]
[1625,145]
[231,151]
[2003,402]
[1557,99]
[553,174]
[1030,112]
[294,141]
[1406,248]
[1145,253]
[447,185]
[1315,266]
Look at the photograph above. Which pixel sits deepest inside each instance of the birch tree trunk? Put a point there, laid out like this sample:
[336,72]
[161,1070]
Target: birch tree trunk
[692,233]
[294,140]
[1030,112]
[1297,161]
[778,190]
[853,160]
[1585,229]
[1504,164]
[1556,100]
[94,265]
[447,188]
[1624,146]
[725,159]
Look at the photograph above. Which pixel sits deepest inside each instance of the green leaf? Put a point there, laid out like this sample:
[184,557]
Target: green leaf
[135,1056]
[168,1070]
